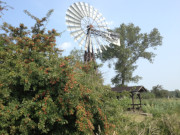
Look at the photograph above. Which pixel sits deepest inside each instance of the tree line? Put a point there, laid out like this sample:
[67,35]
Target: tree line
[159,92]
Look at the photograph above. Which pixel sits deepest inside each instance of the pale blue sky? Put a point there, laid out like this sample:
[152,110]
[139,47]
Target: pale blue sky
[147,14]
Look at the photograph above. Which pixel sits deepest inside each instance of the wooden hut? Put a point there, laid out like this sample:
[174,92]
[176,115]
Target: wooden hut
[133,90]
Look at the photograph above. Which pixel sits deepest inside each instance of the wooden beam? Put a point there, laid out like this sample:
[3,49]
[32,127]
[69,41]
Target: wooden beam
[139,96]
[133,101]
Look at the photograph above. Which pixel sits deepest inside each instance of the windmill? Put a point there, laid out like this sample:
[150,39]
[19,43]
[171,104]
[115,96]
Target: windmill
[89,29]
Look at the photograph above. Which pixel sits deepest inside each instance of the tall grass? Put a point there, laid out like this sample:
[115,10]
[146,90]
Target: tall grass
[165,118]
[159,107]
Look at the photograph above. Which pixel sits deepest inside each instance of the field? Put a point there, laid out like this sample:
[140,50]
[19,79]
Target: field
[157,117]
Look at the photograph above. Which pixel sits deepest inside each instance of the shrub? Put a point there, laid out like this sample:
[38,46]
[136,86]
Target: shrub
[40,92]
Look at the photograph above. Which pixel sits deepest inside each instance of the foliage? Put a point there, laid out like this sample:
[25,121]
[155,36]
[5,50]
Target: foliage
[169,124]
[159,107]
[160,92]
[3,7]
[77,56]
[165,125]
[164,119]
[40,91]
[147,95]
[166,115]
[112,106]
[134,45]
[176,93]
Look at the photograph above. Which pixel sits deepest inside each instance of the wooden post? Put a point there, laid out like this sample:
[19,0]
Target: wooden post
[139,96]
[133,101]
[140,99]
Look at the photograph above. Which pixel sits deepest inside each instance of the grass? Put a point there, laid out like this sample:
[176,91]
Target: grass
[158,117]
[135,116]
[159,107]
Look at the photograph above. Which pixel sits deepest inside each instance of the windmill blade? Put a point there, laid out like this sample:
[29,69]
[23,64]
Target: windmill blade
[95,12]
[105,43]
[75,12]
[75,33]
[72,23]
[99,46]
[69,17]
[86,8]
[78,36]
[95,49]
[76,6]
[91,11]
[72,20]
[100,20]
[90,45]
[104,24]
[82,40]
[100,43]
[71,28]
[72,14]
[86,44]
[81,8]
[99,15]
[75,27]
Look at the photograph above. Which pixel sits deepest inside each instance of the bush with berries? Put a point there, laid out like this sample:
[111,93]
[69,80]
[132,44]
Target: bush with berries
[40,91]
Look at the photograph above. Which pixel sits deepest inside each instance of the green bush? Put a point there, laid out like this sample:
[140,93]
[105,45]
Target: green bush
[40,92]
[147,95]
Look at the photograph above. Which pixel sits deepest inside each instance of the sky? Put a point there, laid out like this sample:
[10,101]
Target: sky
[147,14]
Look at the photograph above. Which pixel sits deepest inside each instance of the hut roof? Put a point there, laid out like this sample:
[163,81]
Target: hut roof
[130,89]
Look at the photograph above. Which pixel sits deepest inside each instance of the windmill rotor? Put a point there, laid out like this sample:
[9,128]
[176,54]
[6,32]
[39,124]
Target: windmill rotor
[89,29]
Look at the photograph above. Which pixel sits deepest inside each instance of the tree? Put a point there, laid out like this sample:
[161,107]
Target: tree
[40,92]
[160,92]
[148,95]
[77,56]
[3,7]
[156,90]
[134,45]
[177,93]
